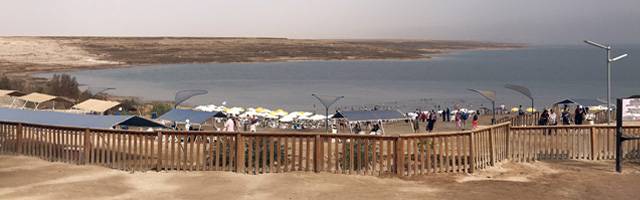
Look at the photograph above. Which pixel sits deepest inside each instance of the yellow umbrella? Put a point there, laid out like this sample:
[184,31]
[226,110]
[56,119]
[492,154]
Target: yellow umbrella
[514,109]
[260,110]
[530,109]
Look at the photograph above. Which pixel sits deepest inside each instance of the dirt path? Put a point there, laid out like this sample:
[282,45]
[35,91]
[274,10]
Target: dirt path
[31,178]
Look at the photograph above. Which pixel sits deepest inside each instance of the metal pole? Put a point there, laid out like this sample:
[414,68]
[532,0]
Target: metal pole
[619,136]
[608,85]
[493,120]
[326,121]
[532,112]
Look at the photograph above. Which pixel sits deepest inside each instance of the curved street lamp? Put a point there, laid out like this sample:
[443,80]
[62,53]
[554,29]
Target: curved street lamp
[184,95]
[327,101]
[491,96]
[607,48]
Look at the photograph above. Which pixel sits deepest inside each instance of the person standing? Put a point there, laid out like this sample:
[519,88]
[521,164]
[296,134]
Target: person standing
[416,121]
[431,121]
[254,124]
[520,110]
[566,118]
[579,115]
[229,125]
[458,120]
[448,115]
[464,116]
[544,118]
[474,123]
[553,118]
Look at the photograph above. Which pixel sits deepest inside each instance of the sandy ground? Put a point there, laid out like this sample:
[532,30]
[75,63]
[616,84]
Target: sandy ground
[31,178]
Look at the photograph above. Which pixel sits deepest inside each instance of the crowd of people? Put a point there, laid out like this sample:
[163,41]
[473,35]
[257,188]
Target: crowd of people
[550,117]
[460,117]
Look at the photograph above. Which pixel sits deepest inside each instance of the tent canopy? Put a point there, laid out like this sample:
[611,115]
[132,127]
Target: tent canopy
[95,105]
[14,93]
[41,98]
[181,115]
[373,115]
[73,120]
[582,102]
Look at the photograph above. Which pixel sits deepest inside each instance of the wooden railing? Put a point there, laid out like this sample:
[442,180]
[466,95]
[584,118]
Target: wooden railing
[259,153]
[600,117]
[595,142]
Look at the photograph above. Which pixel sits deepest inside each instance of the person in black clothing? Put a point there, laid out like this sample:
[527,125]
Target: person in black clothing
[431,121]
[544,118]
[520,110]
[448,115]
[579,115]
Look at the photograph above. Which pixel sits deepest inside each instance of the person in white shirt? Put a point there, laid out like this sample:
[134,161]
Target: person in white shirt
[253,124]
[553,118]
[229,125]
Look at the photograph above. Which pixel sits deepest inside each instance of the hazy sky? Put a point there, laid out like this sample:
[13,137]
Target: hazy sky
[530,21]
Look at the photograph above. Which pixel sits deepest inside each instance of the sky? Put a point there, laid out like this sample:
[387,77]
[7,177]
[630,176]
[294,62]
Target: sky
[524,21]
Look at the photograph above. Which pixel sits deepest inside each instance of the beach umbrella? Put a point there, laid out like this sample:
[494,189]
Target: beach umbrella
[317,117]
[260,110]
[531,110]
[286,119]
[514,109]
[280,112]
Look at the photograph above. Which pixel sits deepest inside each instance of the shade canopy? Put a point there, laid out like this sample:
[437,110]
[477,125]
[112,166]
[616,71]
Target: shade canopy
[41,98]
[37,97]
[14,93]
[95,105]
[582,102]
[181,115]
[373,115]
[73,120]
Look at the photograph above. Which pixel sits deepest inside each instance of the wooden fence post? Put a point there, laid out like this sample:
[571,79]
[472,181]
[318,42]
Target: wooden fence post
[507,145]
[239,154]
[472,157]
[160,144]
[491,149]
[87,146]
[593,141]
[317,154]
[19,139]
[399,153]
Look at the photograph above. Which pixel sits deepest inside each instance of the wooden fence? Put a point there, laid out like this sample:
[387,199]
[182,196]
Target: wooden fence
[259,153]
[531,119]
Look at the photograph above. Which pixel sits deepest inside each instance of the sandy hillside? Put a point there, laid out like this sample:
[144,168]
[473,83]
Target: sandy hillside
[31,178]
[46,51]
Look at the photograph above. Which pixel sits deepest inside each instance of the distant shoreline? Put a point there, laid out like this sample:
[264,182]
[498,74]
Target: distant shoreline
[23,56]
[125,66]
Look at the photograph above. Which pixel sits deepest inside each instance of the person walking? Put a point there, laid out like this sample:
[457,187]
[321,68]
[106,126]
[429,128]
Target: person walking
[456,117]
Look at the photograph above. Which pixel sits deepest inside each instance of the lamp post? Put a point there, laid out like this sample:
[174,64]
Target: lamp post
[327,102]
[524,91]
[609,61]
[184,95]
[491,96]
